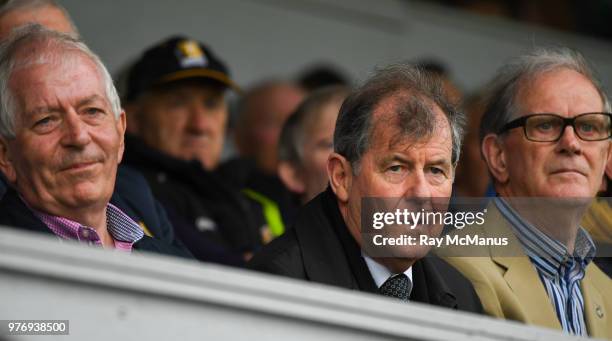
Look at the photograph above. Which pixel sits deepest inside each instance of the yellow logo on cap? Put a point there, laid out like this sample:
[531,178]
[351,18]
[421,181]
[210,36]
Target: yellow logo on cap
[190,54]
[190,49]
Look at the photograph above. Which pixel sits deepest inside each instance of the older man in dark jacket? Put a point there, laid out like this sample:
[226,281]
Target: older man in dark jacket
[396,137]
[60,146]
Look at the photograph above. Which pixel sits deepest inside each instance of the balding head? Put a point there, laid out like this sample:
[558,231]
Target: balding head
[263,112]
[48,13]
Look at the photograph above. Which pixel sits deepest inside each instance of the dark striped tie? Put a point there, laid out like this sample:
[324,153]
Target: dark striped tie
[398,286]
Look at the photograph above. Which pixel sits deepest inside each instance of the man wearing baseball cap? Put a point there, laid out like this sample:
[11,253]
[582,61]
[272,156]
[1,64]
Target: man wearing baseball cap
[177,115]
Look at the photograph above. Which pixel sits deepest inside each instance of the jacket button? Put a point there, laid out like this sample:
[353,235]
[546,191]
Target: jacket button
[599,311]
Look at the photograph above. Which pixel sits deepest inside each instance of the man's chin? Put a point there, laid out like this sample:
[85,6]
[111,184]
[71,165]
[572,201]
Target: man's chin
[409,252]
[568,178]
[575,190]
[87,194]
[196,154]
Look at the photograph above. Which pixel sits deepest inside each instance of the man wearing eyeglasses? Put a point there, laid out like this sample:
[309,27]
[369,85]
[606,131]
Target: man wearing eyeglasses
[545,137]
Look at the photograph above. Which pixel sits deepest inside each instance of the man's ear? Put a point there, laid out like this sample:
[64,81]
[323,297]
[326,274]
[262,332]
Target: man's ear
[6,164]
[121,126]
[291,177]
[495,157]
[340,175]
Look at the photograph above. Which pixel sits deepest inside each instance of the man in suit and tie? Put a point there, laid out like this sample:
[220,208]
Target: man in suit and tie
[397,136]
[545,137]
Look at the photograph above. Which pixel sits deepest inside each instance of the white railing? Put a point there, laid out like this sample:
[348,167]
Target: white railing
[110,296]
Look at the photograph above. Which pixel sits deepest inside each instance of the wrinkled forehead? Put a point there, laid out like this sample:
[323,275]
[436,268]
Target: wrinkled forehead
[404,119]
[561,91]
[34,53]
[59,61]
[42,77]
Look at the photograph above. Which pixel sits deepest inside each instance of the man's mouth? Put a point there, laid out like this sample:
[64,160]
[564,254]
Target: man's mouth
[568,171]
[194,139]
[79,166]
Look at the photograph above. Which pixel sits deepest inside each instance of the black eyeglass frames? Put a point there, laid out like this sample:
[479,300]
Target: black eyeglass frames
[594,126]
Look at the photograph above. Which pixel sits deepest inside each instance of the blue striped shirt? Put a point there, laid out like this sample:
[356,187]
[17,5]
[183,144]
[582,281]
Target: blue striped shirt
[559,271]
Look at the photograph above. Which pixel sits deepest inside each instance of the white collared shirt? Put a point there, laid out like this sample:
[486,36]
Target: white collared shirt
[380,273]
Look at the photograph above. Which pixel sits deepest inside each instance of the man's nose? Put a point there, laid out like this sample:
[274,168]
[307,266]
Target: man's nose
[417,186]
[199,119]
[569,142]
[75,131]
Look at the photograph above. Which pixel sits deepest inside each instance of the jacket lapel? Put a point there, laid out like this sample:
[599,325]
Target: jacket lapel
[330,254]
[595,313]
[520,274]
[429,285]
[19,215]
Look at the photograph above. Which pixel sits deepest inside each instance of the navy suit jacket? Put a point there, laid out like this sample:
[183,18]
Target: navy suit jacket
[132,196]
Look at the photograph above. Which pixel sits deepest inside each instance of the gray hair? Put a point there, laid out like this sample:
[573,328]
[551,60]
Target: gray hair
[21,5]
[354,124]
[502,105]
[290,145]
[50,45]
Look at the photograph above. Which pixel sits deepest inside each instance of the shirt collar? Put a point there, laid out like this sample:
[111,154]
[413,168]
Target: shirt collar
[120,226]
[550,253]
[380,273]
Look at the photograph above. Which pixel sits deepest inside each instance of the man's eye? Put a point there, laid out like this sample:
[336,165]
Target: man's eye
[177,102]
[395,173]
[544,126]
[211,103]
[43,122]
[395,168]
[587,128]
[93,111]
[46,121]
[437,171]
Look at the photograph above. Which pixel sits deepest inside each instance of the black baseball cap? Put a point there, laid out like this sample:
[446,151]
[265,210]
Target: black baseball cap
[176,58]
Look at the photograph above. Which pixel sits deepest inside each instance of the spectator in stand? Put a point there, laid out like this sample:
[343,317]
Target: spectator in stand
[177,115]
[261,115]
[130,183]
[61,140]
[397,136]
[472,173]
[48,13]
[307,140]
[545,136]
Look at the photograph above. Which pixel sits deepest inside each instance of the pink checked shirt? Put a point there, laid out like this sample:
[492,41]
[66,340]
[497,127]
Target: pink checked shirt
[123,229]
